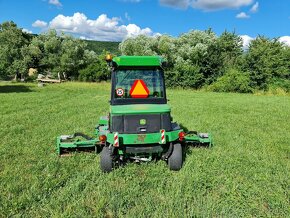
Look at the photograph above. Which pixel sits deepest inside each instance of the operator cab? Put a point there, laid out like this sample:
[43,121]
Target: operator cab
[142,84]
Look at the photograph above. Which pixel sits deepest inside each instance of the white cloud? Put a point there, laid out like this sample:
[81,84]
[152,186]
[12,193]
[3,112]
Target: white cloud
[55,2]
[134,30]
[26,31]
[255,8]
[220,4]
[177,4]
[285,40]
[39,23]
[242,15]
[157,34]
[246,41]
[207,5]
[102,28]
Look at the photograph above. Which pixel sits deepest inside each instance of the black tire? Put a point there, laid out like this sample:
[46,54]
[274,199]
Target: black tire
[175,160]
[106,162]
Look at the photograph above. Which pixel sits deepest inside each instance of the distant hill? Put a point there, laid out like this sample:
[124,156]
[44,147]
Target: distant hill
[99,47]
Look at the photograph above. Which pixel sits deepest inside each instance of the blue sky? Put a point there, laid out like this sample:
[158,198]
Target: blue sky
[117,19]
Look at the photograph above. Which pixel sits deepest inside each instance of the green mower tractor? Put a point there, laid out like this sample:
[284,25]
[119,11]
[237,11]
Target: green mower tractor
[139,126]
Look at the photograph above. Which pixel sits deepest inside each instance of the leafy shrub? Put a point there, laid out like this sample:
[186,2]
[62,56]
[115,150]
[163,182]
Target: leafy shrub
[265,60]
[280,83]
[184,75]
[232,81]
[95,72]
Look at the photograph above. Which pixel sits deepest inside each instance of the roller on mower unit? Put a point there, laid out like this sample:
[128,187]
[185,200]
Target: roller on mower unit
[139,126]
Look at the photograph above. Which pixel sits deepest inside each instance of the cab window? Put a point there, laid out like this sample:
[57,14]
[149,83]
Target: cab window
[138,84]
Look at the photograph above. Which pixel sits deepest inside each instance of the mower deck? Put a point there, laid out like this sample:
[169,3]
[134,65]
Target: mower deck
[191,138]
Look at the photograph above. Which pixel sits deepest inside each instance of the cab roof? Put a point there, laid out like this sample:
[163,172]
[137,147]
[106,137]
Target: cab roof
[138,61]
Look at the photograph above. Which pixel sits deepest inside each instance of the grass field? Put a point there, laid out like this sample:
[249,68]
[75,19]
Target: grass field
[246,173]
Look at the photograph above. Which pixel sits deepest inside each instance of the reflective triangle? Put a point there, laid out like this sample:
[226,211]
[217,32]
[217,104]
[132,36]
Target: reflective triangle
[139,89]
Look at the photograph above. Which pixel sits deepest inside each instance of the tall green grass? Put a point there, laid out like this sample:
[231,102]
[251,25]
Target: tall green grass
[246,173]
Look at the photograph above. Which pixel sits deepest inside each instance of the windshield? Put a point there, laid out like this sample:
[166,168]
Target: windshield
[139,84]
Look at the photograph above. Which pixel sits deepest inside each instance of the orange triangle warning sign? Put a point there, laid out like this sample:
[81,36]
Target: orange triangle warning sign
[139,89]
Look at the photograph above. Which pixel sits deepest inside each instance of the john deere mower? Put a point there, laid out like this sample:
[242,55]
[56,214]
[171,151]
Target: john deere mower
[139,126]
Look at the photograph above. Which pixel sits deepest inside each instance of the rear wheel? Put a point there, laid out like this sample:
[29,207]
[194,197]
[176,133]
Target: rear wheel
[175,160]
[106,162]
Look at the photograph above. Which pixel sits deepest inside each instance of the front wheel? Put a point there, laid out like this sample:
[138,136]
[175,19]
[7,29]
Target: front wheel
[106,162]
[175,160]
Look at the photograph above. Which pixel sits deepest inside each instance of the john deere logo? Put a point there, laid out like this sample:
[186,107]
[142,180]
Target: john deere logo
[142,122]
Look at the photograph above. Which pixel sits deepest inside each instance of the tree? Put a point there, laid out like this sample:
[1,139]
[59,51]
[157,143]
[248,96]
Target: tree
[265,60]
[192,57]
[97,70]
[33,53]
[12,39]
[72,55]
[224,53]
[140,45]
[166,48]
[286,61]
[51,53]
[230,48]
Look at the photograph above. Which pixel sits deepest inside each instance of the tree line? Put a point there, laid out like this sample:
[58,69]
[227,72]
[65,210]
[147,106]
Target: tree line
[219,63]
[48,53]
[197,59]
